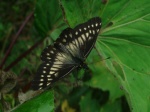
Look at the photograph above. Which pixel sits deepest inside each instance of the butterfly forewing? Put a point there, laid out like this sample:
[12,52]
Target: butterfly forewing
[63,57]
[86,34]
[68,39]
[53,55]
[56,64]
[80,40]
[49,73]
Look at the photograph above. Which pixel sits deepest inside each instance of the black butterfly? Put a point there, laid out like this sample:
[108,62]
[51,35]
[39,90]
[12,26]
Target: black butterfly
[68,53]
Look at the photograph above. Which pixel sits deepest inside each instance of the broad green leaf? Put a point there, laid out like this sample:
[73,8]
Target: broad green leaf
[104,80]
[125,38]
[127,42]
[41,103]
[85,10]
[48,18]
[78,11]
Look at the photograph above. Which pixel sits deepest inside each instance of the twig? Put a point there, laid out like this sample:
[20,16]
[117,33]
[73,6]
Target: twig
[14,40]
[23,55]
[63,13]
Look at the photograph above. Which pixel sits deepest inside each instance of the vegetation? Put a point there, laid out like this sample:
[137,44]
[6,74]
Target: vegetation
[118,84]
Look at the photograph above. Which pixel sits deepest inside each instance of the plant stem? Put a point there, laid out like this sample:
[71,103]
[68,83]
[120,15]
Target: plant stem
[23,55]
[14,40]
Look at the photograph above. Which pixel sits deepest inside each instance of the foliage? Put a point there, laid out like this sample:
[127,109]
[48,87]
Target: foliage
[122,78]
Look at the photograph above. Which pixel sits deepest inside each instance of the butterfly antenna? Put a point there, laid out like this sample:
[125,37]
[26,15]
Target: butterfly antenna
[99,61]
[105,58]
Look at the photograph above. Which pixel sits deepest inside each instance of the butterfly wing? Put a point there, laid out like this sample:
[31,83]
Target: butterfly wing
[68,39]
[56,64]
[86,35]
[80,40]
[58,59]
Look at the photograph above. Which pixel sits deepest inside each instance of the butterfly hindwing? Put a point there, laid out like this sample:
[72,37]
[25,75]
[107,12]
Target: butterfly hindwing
[49,73]
[56,64]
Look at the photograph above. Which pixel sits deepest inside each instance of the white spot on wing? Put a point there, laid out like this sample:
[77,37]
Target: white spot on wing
[57,66]
[90,31]
[44,71]
[49,79]
[47,54]
[54,69]
[48,84]
[73,42]
[93,31]
[56,74]
[51,72]
[48,58]
[96,24]
[92,25]
[40,88]
[40,84]
[77,44]
[98,30]
[84,28]
[61,58]
[41,79]
[42,75]
[83,36]
[64,40]
[58,62]
[54,49]
[70,35]
[48,75]
[72,47]
[80,30]
[87,34]
[80,40]
[52,52]
[76,33]
[90,38]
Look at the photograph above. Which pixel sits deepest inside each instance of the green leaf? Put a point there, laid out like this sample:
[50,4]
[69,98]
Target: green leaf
[48,18]
[112,107]
[83,10]
[127,42]
[124,37]
[103,79]
[87,104]
[41,103]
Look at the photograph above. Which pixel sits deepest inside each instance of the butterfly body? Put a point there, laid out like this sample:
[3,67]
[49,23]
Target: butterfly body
[67,53]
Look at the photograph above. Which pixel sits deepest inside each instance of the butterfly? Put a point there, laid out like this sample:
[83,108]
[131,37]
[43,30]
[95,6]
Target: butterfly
[68,52]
